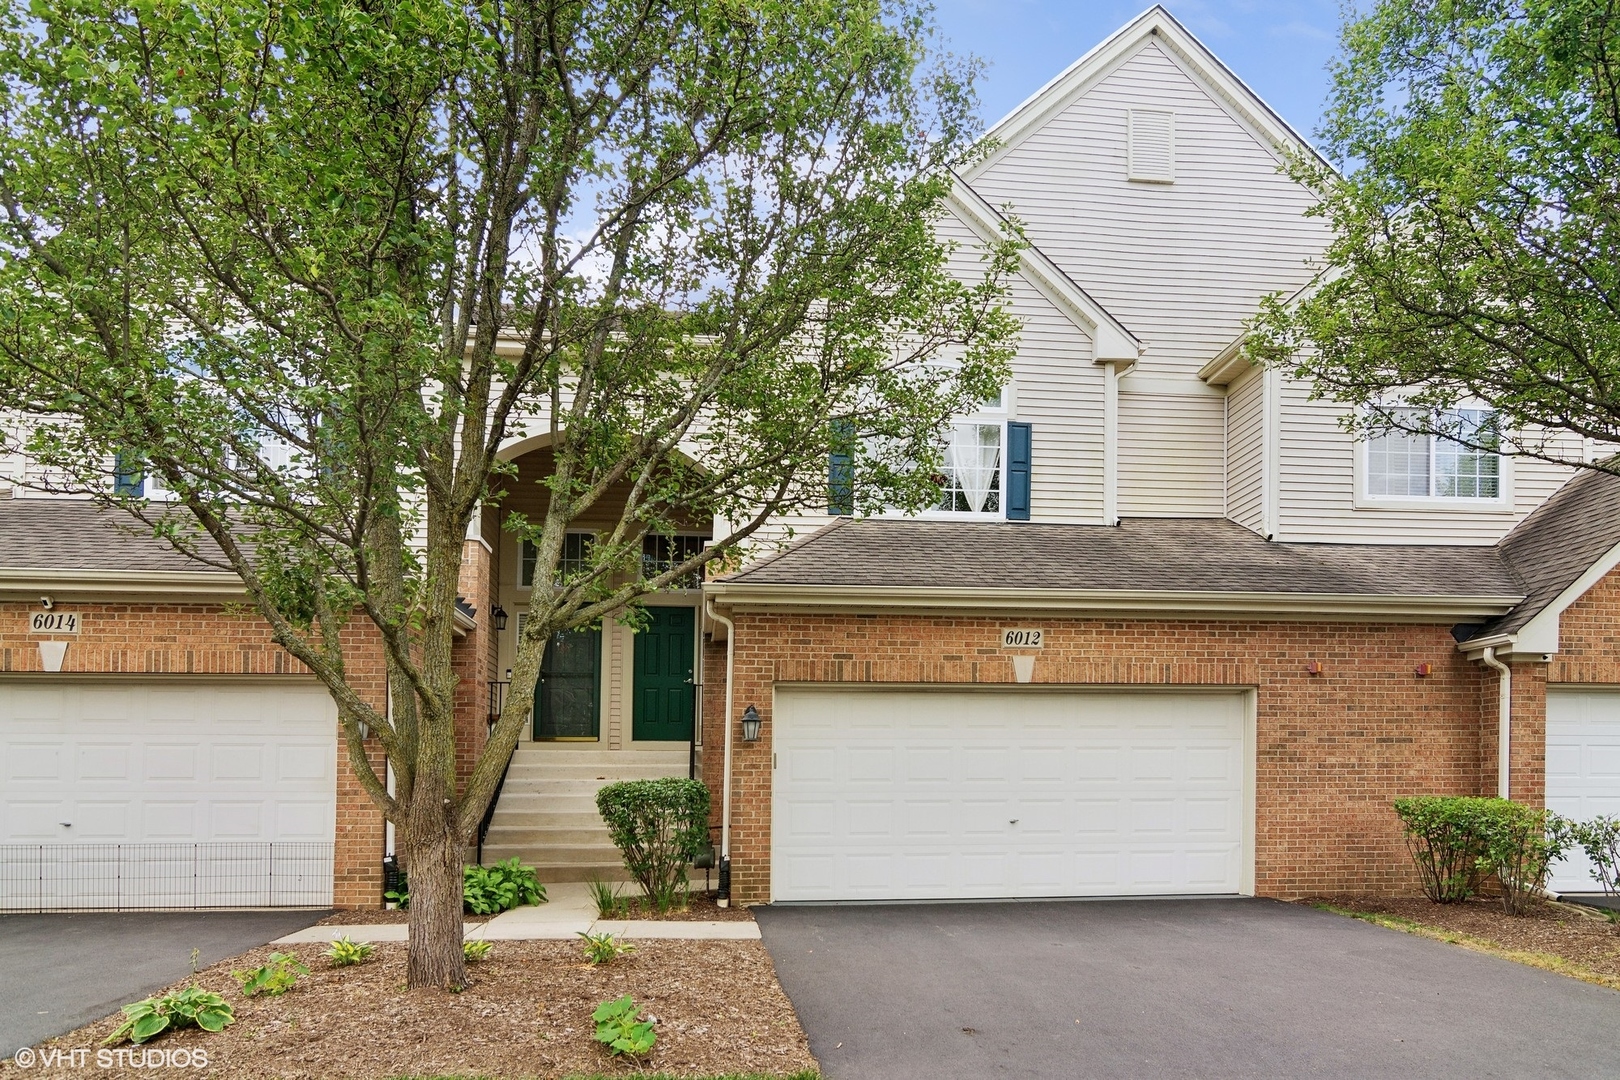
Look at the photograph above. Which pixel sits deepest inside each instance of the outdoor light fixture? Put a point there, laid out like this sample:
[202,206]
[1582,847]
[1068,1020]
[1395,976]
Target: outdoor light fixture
[750,724]
[498,614]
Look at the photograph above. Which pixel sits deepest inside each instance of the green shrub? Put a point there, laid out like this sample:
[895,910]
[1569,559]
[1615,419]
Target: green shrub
[346,953]
[620,1027]
[489,890]
[1600,839]
[1447,839]
[1521,843]
[177,1009]
[604,948]
[658,826]
[475,951]
[1458,841]
[274,978]
[485,890]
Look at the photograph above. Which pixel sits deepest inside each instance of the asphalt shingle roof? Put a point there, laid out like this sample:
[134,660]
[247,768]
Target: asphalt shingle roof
[76,534]
[1170,554]
[1549,550]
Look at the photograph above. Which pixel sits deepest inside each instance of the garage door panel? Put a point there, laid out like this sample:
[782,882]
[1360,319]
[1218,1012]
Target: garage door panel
[181,763]
[1000,794]
[1583,768]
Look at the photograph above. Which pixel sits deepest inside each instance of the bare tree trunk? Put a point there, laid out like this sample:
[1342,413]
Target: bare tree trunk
[435,849]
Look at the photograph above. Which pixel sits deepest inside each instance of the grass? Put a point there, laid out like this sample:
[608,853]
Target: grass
[1546,961]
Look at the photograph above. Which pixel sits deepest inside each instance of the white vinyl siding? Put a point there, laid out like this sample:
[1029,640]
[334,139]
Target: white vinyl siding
[1245,451]
[1182,265]
[1172,460]
[1318,501]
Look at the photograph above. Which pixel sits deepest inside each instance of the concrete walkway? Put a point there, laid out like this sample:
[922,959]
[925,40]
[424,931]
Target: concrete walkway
[569,913]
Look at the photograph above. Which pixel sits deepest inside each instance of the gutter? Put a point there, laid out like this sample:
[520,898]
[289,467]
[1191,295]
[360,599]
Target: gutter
[1504,718]
[202,582]
[1170,603]
[723,894]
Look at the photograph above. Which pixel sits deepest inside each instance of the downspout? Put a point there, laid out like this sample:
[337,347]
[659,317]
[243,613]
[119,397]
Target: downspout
[723,897]
[1504,717]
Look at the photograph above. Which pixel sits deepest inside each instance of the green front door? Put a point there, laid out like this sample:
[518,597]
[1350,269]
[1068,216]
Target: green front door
[664,691]
[568,693]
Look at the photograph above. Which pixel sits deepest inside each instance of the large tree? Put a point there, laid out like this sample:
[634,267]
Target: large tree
[268,251]
[1475,206]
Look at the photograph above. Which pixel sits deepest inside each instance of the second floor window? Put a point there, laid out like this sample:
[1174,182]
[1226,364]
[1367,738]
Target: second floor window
[972,477]
[1401,465]
[576,556]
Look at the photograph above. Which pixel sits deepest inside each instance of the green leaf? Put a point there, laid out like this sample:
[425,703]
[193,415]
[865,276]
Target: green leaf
[147,1026]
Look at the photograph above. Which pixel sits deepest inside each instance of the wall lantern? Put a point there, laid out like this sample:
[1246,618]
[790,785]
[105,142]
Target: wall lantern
[750,724]
[498,615]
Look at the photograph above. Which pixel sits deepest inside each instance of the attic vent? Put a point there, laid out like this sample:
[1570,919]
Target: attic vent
[1151,145]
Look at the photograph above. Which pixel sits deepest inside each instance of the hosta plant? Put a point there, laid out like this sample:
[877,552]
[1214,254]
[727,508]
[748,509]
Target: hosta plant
[604,948]
[276,977]
[347,953]
[190,1007]
[476,950]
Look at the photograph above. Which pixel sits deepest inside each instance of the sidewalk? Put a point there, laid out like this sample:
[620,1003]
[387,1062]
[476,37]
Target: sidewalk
[569,913]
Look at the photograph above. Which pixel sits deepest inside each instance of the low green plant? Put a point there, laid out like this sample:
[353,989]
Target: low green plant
[191,1007]
[489,890]
[347,953]
[1446,836]
[619,1026]
[604,948]
[475,951]
[609,903]
[275,978]
[658,826]
[486,890]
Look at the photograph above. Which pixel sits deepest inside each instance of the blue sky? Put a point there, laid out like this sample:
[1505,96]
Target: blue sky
[1279,47]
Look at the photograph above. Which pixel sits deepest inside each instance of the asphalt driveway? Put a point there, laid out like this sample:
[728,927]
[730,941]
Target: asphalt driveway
[1173,988]
[60,971]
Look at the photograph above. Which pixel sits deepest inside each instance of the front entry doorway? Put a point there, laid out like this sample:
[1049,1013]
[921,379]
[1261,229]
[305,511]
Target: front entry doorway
[664,687]
[568,695]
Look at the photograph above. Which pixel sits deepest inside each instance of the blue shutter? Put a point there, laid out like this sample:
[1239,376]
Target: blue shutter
[129,479]
[1020,446]
[841,470]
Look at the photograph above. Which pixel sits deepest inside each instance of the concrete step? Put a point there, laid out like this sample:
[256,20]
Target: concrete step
[521,816]
[546,836]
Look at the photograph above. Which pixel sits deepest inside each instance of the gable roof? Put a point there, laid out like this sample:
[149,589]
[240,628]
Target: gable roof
[1154,24]
[1172,564]
[1573,536]
[1111,339]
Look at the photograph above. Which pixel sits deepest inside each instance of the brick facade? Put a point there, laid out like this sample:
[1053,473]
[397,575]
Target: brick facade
[212,639]
[1333,749]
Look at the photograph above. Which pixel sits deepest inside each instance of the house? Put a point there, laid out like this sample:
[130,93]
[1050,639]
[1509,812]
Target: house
[1171,630]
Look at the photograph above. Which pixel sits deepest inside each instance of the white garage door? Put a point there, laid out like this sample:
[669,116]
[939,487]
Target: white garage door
[936,795]
[1583,768]
[171,793]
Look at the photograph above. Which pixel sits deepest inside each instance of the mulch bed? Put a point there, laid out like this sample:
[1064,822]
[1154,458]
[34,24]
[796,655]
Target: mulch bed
[700,908]
[527,1013]
[1579,937]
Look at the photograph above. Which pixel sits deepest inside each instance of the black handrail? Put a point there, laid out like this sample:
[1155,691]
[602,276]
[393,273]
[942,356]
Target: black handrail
[497,702]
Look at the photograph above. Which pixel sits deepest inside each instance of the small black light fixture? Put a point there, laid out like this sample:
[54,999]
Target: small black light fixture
[750,724]
[498,615]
